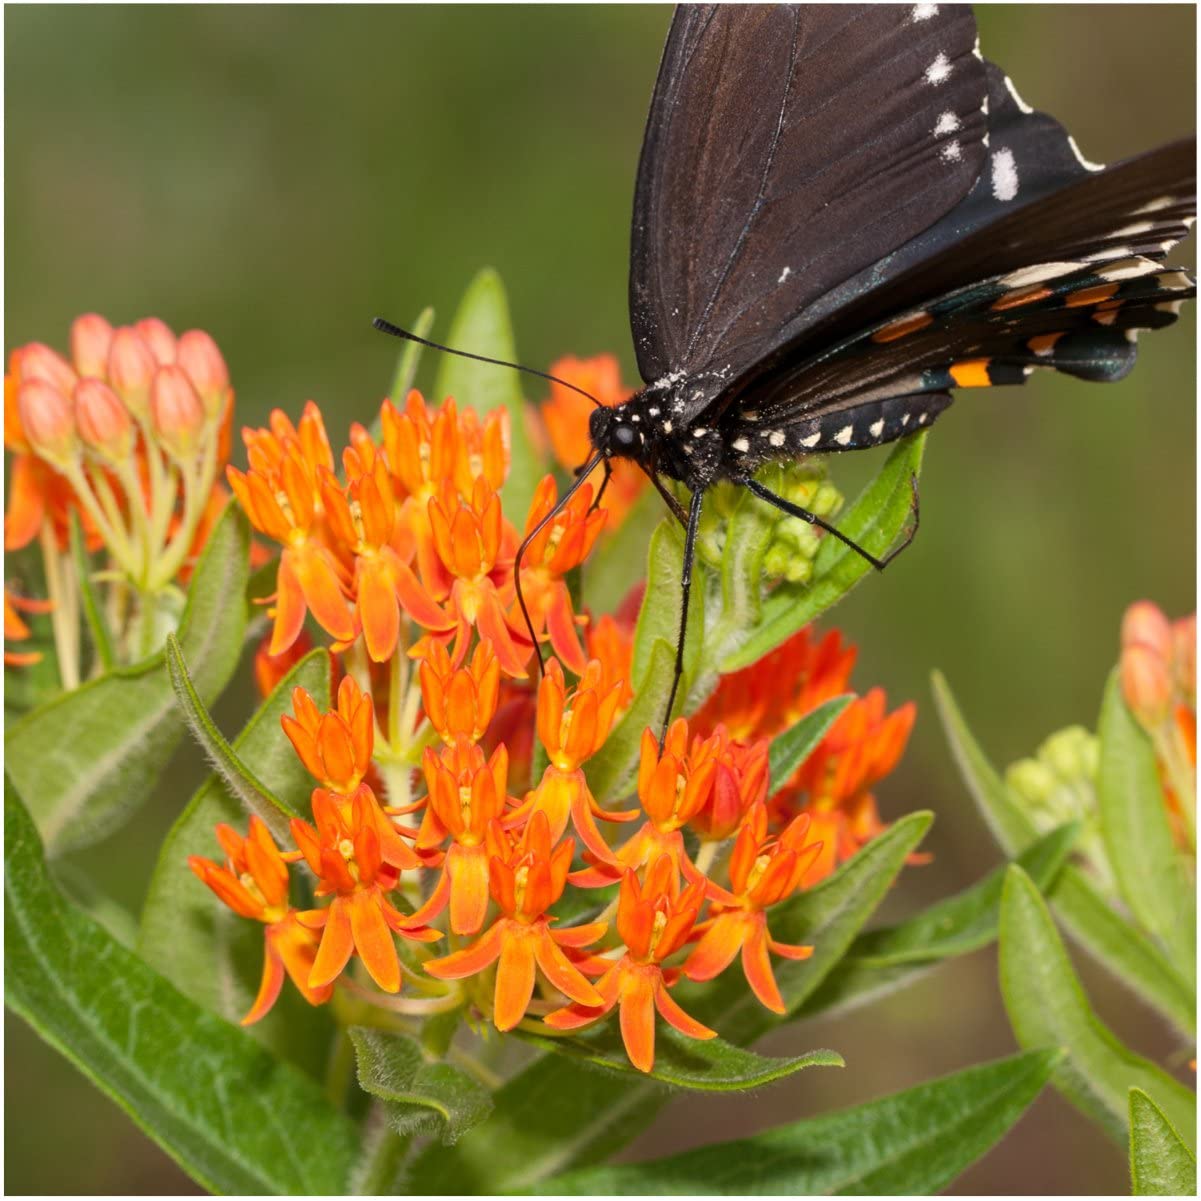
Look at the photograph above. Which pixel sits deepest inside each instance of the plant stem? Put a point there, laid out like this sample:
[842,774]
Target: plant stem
[340,1069]
[64,618]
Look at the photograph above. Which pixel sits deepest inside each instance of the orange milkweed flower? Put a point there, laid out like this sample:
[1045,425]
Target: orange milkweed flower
[740,781]
[654,919]
[526,877]
[466,794]
[572,726]
[560,546]
[565,415]
[348,850]
[862,747]
[673,786]
[254,884]
[460,702]
[764,870]
[335,747]
[612,644]
[17,630]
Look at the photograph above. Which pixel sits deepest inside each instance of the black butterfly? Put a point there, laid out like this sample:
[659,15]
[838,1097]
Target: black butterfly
[842,212]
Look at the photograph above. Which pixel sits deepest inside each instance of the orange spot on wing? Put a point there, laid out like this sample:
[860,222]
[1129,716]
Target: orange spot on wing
[905,325]
[1012,300]
[1044,343]
[1087,296]
[971,373]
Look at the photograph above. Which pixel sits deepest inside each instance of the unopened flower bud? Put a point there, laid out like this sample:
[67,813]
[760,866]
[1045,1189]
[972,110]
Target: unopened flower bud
[1031,780]
[198,355]
[1144,624]
[158,336]
[38,361]
[1072,753]
[176,411]
[1146,684]
[102,420]
[91,337]
[48,422]
[131,368]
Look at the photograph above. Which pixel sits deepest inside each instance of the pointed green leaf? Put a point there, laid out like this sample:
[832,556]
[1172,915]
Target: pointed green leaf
[419,1097]
[238,776]
[882,960]
[703,1065]
[409,358]
[200,945]
[88,758]
[612,770]
[1160,1164]
[481,326]
[828,917]
[1112,940]
[875,521]
[1138,838]
[93,611]
[235,1118]
[913,1143]
[791,748]
[1047,1007]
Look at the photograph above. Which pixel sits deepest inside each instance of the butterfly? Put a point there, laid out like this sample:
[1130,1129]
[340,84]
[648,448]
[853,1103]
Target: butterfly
[842,214]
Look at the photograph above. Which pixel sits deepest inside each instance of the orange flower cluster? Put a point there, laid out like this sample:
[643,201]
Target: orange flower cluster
[409,562]
[1158,674]
[127,436]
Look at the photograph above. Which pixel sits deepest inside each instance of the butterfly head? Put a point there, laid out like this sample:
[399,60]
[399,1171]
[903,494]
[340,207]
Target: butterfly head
[615,432]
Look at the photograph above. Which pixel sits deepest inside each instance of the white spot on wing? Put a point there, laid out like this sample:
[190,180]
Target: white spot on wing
[951,152]
[741,445]
[877,428]
[1081,159]
[1153,206]
[1036,274]
[1013,92]
[1136,227]
[776,438]
[939,71]
[923,12]
[947,123]
[844,435]
[1004,174]
[812,440]
[1128,269]
[784,275]
[699,432]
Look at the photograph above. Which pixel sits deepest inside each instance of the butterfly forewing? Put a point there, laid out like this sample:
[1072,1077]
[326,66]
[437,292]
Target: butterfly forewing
[788,147]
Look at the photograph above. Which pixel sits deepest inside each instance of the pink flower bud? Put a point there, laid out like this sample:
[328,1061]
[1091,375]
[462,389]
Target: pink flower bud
[1145,625]
[38,361]
[1184,657]
[102,420]
[158,336]
[198,355]
[131,368]
[48,421]
[1146,684]
[177,412]
[91,336]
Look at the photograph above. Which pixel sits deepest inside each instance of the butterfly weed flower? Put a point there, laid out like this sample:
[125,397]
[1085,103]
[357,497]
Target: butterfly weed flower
[127,437]
[16,629]
[253,882]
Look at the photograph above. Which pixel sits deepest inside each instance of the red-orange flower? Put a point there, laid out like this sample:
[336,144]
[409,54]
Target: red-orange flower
[466,794]
[526,878]
[254,884]
[17,630]
[336,746]
[655,919]
[460,702]
[348,852]
[560,546]
[740,781]
[764,871]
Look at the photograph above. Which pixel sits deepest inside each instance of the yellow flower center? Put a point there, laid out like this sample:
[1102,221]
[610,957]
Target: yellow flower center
[657,927]
[521,880]
[465,802]
[756,872]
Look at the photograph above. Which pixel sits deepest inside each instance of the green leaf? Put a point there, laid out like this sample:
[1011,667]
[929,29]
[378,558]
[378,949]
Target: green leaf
[481,326]
[238,777]
[874,521]
[93,611]
[612,770]
[1047,1007]
[235,1118]
[828,916]
[419,1097]
[200,945]
[1113,941]
[409,358]
[659,617]
[88,758]
[710,1065]
[882,960]
[916,1143]
[1138,839]
[791,748]
[1160,1164]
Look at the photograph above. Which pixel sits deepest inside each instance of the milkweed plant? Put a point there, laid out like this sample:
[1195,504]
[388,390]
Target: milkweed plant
[442,922]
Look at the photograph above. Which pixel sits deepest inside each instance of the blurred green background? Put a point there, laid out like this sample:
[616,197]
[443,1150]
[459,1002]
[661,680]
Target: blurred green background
[279,175]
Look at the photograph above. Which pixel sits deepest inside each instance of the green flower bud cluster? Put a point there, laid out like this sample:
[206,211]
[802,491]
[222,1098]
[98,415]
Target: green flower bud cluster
[1059,784]
[794,543]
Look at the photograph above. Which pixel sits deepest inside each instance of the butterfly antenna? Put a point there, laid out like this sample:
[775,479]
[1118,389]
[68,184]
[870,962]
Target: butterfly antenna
[388,328]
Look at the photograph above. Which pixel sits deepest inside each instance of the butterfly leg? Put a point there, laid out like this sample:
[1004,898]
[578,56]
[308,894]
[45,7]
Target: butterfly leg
[674,505]
[608,468]
[792,510]
[690,529]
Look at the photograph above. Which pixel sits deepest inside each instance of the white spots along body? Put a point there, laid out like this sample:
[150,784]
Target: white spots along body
[1004,174]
